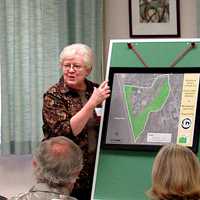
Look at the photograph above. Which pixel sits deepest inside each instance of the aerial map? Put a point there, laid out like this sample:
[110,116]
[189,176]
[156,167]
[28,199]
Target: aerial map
[148,108]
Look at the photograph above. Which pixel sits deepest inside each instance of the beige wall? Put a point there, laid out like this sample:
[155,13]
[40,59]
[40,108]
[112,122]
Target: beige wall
[16,174]
[117,20]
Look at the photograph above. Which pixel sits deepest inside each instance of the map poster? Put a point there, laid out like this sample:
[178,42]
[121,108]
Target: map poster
[152,107]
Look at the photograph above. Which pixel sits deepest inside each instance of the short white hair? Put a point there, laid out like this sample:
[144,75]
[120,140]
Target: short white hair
[78,49]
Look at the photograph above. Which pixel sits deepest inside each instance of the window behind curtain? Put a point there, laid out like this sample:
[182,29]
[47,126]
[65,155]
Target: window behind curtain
[33,32]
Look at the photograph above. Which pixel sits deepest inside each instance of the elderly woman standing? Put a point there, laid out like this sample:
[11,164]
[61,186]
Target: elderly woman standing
[69,110]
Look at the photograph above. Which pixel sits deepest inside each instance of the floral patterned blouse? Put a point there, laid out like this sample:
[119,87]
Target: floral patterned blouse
[60,103]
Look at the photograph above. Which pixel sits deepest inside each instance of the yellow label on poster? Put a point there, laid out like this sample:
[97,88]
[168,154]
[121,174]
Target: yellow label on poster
[188,109]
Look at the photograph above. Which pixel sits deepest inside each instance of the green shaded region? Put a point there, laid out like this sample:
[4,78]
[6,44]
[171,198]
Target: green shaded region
[182,140]
[138,121]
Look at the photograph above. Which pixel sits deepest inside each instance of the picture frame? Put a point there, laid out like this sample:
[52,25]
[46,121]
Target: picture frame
[154,18]
[152,107]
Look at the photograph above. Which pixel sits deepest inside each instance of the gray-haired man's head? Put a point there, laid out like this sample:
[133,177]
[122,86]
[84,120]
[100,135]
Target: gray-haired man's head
[58,162]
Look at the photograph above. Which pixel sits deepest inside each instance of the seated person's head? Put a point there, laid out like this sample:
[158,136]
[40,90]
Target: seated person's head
[58,162]
[175,174]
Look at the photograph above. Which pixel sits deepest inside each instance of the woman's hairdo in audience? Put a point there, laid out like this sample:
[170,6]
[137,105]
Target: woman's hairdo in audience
[175,174]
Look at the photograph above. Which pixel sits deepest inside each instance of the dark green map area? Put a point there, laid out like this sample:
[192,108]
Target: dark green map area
[158,99]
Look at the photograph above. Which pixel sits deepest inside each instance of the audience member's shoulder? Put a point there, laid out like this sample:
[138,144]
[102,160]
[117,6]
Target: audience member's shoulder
[21,196]
[36,196]
[64,197]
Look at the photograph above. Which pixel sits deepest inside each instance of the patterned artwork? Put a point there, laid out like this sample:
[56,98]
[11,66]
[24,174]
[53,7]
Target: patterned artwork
[154,11]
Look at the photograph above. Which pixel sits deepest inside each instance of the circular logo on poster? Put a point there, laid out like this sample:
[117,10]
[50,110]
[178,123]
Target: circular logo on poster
[186,123]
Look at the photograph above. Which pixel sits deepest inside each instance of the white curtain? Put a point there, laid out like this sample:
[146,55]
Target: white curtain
[32,34]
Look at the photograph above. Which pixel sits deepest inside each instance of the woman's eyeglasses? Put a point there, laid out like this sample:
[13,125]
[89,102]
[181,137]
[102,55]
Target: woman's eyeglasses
[69,66]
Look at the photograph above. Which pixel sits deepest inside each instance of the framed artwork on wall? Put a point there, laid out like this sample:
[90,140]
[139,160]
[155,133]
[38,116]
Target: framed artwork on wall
[154,18]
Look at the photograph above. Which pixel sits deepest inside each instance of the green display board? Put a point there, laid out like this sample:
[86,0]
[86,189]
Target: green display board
[122,174]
